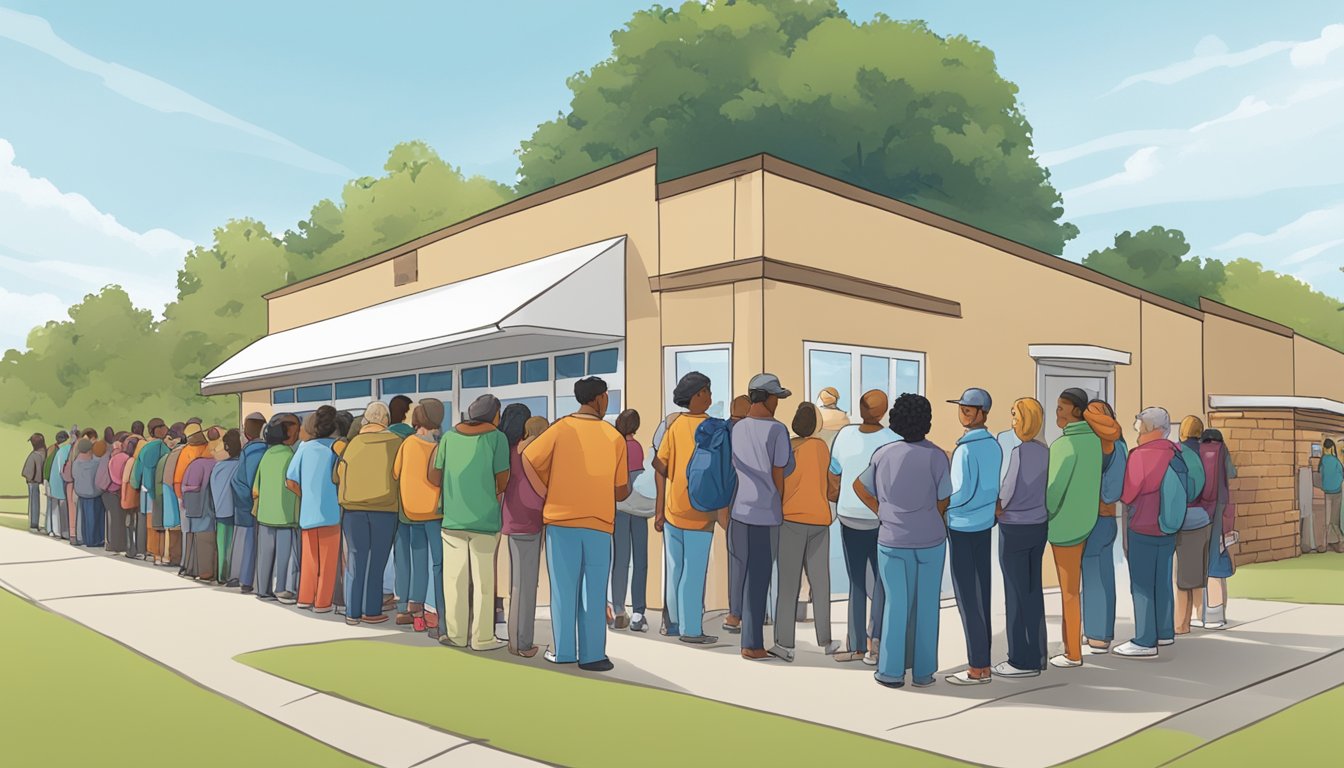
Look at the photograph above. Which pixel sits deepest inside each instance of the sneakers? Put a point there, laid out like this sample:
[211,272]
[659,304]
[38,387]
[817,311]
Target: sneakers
[755,654]
[832,648]
[701,639]
[889,682]
[1197,623]
[231,583]
[328,609]
[405,618]
[1134,651]
[924,683]
[870,658]
[848,656]
[781,653]
[304,606]
[622,621]
[1168,641]
[1004,669]
[1097,649]
[1064,662]
[601,665]
[550,656]
[286,598]
[1214,625]
[732,624]
[964,678]
[639,624]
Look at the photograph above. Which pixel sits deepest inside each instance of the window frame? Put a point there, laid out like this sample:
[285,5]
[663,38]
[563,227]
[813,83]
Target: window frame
[857,353]
[670,371]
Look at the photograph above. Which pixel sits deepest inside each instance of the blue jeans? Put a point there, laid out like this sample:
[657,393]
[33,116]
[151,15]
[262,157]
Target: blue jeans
[1099,581]
[630,546]
[1151,587]
[687,565]
[579,561]
[419,564]
[369,537]
[970,582]
[91,521]
[913,580]
[755,546]
[860,556]
[1021,550]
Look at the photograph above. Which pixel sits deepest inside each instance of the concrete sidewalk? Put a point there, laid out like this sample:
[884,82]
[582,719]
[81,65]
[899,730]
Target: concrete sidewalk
[198,630]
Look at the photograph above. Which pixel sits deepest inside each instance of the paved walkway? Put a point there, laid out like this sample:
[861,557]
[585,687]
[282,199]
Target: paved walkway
[202,629]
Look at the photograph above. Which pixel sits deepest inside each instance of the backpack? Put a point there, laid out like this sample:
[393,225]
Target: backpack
[1174,495]
[711,480]
[1194,475]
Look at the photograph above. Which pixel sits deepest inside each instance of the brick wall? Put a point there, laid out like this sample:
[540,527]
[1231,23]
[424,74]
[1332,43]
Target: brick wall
[1263,445]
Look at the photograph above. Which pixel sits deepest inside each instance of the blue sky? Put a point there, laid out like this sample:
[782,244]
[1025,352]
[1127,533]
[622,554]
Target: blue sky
[134,128]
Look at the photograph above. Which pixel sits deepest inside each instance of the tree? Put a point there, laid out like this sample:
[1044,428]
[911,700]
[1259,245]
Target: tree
[887,105]
[1154,259]
[1286,300]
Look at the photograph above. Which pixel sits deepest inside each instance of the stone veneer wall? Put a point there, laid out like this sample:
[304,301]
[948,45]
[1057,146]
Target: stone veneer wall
[1263,446]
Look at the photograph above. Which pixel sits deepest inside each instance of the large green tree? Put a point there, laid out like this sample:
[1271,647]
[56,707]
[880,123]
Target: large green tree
[887,105]
[1155,259]
[1284,299]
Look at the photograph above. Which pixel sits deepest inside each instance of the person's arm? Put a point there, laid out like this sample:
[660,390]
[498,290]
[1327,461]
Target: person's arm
[256,485]
[865,487]
[292,473]
[434,470]
[1133,482]
[501,445]
[964,480]
[834,471]
[622,478]
[1009,485]
[664,453]
[533,478]
[1062,460]
[537,461]
[781,454]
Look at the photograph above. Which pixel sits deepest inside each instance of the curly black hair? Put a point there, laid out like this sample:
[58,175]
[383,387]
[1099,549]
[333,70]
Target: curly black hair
[325,417]
[911,417]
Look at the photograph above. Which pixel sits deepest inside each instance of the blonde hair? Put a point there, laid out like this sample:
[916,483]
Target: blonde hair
[1191,428]
[534,426]
[377,413]
[1028,416]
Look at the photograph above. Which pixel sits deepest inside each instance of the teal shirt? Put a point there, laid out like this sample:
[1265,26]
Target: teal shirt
[469,464]
[402,430]
[1073,490]
[57,484]
[1332,474]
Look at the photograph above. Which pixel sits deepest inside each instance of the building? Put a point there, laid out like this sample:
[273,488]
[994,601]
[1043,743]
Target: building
[764,265]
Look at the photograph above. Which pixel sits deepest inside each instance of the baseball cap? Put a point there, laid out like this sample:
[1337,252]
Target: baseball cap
[255,416]
[769,384]
[975,398]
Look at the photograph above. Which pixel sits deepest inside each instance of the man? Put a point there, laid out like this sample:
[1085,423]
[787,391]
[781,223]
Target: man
[142,475]
[243,558]
[832,418]
[581,467]
[737,411]
[762,458]
[471,465]
[1151,548]
[976,464]
[170,520]
[687,532]
[851,454]
[369,496]
[32,475]
[1072,502]
[252,426]
[277,513]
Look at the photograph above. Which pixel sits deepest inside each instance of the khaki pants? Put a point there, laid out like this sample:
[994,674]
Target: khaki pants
[469,575]
[1328,532]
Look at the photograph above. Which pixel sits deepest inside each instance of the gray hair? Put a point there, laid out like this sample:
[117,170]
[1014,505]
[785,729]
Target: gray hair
[1156,419]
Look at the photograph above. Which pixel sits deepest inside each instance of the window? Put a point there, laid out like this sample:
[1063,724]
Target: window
[613,402]
[476,378]
[854,370]
[439,381]
[282,396]
[714,361]
[828,368]
[875,373]
[504,374]
[539,406]
[315,393]
[397,385]
[346,390]
[603,361]
[569,366]
[406,268]
[907,378]
[536,370]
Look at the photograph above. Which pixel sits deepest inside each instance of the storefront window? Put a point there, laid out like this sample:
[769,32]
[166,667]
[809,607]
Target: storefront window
[282,396]
[539,406]
[536,370]
[569,366]
[346,390]
[503,374]
[828,368]
[397,385]
[875,374]
[313,394]
[476,378]
[440,381]
[603,361]
[714,361]
[854,370]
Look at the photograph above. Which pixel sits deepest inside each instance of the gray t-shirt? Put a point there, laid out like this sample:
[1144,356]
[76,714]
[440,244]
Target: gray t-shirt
[909,479]
[759,445]
[1022,493]
[84,474]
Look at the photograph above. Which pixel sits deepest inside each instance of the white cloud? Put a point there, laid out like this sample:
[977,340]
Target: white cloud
[1140,166]
[1315,53]
[1211,53]
[36,33]
[1310,247]
[25,311]
[1248,108]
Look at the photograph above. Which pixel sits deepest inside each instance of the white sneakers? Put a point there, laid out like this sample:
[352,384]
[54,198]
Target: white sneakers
[1133,651]
[1064,662]
[1168,641]
[964,678]
[1004,669]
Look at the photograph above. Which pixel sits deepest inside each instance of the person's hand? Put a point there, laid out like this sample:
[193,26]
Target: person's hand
[658,520]
[998,510]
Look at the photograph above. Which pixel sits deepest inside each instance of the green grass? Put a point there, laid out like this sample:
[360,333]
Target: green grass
[1306,579]
[73,697]
[1299,735]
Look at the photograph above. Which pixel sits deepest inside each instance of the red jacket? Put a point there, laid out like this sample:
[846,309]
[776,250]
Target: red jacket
[1148,464]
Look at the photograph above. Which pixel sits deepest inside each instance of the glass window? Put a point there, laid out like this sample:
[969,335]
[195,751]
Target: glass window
[352,389]
[282,396]
[536,370]
[476,378]
[439,381]
[832,369]
[397,385]
[713,363]
[874,373]
[539,406]
[504,374]
[907,377]
[569,366]
[313,394]
[613,402]
[565,404]
[603,361]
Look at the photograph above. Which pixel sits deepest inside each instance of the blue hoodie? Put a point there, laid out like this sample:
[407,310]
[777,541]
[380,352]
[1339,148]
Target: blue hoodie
[1113,473]
[976,466]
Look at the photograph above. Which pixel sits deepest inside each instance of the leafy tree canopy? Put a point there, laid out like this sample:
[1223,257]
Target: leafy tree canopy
[1154,259]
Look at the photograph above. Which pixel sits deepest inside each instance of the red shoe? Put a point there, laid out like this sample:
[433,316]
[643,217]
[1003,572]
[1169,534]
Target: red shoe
[419,624]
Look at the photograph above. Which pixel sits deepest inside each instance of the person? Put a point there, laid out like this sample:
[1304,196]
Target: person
[55,488]
[630,537]
[732,623]
[129,497]
[72,525]
[277,512]
[851,454]
[243,557]
[200,558]
[1332,482]
[84,470]
[223,503]
[1098,566]
[805,537]
[197,448]
[170,513]
[109,480]
[976,463]
[1072,501]
[580,467]
[32,475]
[908,485]
[142,476]
[309,476]
[833,419]
[1193,540]
[762,460]
[419,543]
[369,500]
[688,533]
[1023,530]
[522,511]
[1216,496]
[471,466]
[1150,547]
[399,409]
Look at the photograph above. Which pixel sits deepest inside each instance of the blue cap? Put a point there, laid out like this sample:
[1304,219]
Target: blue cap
[976,398]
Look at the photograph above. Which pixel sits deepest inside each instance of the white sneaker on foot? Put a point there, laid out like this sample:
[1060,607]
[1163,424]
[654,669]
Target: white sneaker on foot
[1134,651]
[964,678]
[1216,625]
[1197,623]
[1168,641]
[1004,669]
[1064,662]
[1095,649]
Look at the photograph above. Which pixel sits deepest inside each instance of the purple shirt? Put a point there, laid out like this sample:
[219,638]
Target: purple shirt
[1022,493]
[759,445]
[521,505]
[909,479]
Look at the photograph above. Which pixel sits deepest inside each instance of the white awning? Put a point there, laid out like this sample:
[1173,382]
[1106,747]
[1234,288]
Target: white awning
[1084,352]
[572,298]
[1254,402]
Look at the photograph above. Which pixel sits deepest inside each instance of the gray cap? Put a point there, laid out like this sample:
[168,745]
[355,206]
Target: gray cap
[975,398]
[255,416]
[769,384]
[482,409]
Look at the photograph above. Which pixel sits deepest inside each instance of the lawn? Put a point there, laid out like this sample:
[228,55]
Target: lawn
[1306,579]
[73,697]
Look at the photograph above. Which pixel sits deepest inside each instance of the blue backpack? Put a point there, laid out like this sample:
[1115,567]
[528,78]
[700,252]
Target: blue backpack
[1174,494]
[711,480]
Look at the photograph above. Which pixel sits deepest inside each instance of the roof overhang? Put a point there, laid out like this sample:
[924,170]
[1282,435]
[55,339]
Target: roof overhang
[541,305]
[1277,402]
[1085,352]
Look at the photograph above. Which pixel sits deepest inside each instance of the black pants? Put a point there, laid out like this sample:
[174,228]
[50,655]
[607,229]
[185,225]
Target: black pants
[970,583]
[755,546]
[1021,549]
[737,571]
[860,549]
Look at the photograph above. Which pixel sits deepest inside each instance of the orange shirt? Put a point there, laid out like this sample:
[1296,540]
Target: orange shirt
[582,461]
[419,498]
[189,454]
[805,489]
[675,452]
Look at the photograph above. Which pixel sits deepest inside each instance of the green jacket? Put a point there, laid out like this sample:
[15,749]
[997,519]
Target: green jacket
[1073,490]
[277,506]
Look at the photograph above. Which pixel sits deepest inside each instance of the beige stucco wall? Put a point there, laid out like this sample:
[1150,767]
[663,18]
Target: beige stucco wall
[1241,359]
[1318,370]
[1172,363]
[254,402]
[697,227]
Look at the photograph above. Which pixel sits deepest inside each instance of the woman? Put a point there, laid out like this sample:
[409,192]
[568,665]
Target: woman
[198,518]
[805,536]
[309,477]
[419,546]
[368,498]
[1023,528]
[129,497]
[1099,552]
[223,502]
[1216,496]
[1195,536]
[630,538]
[83,471]
[109,477]
[908,485]
[522,524]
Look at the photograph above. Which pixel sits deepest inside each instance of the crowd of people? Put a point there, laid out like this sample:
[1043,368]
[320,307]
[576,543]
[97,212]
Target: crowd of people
[395,511]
